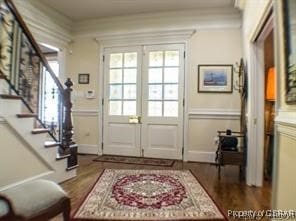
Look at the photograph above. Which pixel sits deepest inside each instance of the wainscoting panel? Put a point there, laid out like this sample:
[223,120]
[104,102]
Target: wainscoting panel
[86,131]
[202,132]
[285,155]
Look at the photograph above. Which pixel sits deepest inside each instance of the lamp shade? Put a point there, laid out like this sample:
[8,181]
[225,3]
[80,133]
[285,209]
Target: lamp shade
[270,85]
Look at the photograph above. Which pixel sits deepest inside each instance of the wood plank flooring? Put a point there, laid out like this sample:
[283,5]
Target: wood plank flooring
[229,192]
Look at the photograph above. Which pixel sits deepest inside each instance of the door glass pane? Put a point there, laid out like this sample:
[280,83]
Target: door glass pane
[171,92]
[129,108]
[171,75]
[155,75]
[154,108]
[172,58]
[115,92]
[155,92]
[116,60]
[156,58]
[114,107]
[130,75]
[115,76]
[170,109]
[130,59]
[130,91]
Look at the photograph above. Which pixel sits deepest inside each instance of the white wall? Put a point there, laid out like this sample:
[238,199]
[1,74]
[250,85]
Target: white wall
[17,161]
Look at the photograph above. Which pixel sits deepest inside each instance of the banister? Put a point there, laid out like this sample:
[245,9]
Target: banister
[33,80]
[33,42]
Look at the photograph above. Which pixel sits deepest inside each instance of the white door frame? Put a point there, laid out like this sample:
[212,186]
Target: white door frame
[255,155]
[145,38]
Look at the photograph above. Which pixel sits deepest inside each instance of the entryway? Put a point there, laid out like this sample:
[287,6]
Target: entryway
[143,101]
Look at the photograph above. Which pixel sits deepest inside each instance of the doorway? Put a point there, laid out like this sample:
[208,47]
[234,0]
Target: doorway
[269,107]
[261,112]
[143,101]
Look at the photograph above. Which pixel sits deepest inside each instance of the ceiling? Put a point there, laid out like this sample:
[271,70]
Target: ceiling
[92,9]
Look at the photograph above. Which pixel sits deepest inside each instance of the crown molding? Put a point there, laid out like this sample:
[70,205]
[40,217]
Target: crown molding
[187,19]
[45,23]
[144,37]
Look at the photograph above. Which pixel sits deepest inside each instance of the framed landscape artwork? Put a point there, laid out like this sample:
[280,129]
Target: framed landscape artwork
[215,78]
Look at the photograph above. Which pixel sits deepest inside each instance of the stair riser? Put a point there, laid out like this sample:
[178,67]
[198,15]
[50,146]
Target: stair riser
[4,88]
[10,107]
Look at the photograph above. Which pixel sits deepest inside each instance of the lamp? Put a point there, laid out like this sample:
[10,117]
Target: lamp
[270,85]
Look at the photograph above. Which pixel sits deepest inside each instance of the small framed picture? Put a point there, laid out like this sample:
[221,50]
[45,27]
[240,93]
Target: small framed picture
[215,78]
[83,78]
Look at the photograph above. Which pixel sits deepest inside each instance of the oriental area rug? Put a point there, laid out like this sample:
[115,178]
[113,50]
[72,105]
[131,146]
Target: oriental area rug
[135,160]
[147,195]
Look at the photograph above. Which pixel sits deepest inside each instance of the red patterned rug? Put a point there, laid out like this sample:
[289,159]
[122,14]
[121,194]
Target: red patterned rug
[135,160]
[148,195]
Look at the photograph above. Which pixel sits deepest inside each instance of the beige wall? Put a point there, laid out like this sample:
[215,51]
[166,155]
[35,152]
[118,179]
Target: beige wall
[284,188]
[222,46]
[216,46]
[17,161]
[83,57]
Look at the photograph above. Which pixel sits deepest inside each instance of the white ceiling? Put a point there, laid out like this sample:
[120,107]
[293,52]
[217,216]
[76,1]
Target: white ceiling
[79,10]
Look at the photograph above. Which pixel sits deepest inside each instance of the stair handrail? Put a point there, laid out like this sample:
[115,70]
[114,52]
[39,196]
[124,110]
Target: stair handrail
[67,145]
[33,42]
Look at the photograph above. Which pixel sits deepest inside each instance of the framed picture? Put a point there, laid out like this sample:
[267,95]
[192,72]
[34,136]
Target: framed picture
[290,50]
[215,78]
[83,78]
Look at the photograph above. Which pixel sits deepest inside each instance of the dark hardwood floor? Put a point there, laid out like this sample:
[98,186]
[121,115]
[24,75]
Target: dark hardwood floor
[229,192]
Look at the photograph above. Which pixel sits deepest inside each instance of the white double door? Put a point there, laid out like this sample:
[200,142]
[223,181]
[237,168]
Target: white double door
[143,101]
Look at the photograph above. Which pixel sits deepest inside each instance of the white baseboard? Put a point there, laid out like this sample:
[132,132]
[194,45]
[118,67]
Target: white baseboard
[201,156]
[88,149]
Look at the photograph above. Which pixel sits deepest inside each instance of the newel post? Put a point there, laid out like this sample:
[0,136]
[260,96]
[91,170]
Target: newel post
[68,145]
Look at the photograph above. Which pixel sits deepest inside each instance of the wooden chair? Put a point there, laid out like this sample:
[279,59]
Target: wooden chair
[38,200]
[236,156]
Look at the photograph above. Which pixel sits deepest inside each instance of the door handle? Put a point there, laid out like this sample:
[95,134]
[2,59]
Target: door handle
[134,120]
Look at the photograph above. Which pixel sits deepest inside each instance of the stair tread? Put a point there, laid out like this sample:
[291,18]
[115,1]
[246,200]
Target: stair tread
[40,130]
[26,115]
[8,96]
[60,156]
[72,168]
[51,144]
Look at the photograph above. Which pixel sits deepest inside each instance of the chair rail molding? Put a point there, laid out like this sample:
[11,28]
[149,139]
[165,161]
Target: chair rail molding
[285,123]
[286,117]
[202,113]
[85,112]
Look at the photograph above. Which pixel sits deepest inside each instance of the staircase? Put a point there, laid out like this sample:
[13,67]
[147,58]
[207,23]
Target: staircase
[24,72]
